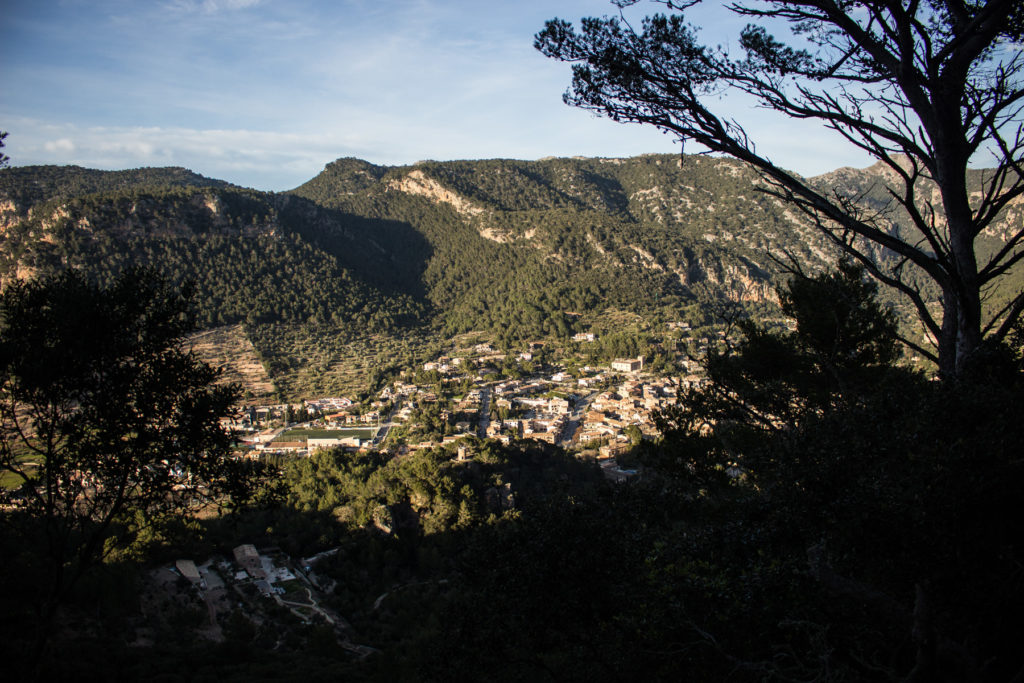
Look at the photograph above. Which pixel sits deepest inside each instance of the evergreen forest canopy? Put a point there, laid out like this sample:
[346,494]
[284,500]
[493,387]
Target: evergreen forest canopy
[518,250]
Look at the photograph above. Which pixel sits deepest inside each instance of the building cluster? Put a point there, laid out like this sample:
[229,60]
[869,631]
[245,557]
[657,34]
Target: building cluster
[528,415]
[249,565]
[261,569]
[632,403]
[592,406]
[310,444]
[248,579]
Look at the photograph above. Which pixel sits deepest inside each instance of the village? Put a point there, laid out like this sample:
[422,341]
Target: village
[596,410]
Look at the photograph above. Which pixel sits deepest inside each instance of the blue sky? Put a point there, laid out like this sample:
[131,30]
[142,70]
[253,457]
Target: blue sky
[264,93]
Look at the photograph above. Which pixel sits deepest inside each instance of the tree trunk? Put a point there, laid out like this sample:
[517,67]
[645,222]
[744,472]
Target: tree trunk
[963,291]
[960,336]
[948,334]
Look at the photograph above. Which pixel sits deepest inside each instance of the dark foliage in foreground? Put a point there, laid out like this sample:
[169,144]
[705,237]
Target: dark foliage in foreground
[863,533]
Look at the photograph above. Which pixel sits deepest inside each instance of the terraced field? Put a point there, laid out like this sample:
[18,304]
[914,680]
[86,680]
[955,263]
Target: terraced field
[306,363]
[229,347]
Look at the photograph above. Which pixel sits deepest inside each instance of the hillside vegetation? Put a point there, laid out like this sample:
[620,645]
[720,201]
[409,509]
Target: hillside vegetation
[516,249]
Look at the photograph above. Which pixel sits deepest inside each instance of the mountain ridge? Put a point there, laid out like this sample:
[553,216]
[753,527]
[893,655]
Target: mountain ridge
[516,249]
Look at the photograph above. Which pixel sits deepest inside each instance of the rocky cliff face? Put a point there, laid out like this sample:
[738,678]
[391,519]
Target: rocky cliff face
[9,214]
[625,214]
[416,183]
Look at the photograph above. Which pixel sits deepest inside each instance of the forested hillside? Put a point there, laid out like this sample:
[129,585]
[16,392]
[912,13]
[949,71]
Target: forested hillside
[516,249]
[633,231]
[26,186]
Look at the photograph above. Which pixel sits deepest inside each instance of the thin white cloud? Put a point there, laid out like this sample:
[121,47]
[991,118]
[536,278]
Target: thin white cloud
[230,4]
[277,160]
[281,160]
[60,146]
[211,6]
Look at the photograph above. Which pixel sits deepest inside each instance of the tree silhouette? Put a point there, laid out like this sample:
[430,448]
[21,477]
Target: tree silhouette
[104,418]
[924,87]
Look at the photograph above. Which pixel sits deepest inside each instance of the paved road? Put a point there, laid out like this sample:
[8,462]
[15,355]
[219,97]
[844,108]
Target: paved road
[485,412]
[382,434]
[575,419]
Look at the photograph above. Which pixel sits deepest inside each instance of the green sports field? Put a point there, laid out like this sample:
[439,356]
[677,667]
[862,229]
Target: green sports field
[299,434]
